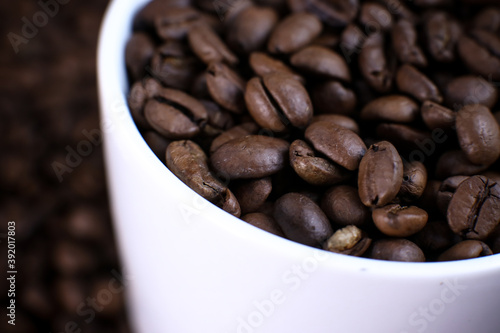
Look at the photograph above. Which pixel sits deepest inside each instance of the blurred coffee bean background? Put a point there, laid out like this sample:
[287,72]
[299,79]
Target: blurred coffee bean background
[51,172]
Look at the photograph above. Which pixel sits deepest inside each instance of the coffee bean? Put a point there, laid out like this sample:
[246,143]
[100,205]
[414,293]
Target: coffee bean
[294,32]
[406,137]
[176,115]
[431,3]
[176,22]
[351,41]
[336,14]
[436,116]
[302,220]
[138,53]
[219,120]
[340,145]
[226,87]
[144,19]
[455,163]
[314,170]
[374,65]
[436,236]
[396,249]
[399,221]
[278,100]
[375,17]
[413,82]
[478,134]
[321,61]
[446,191]
[414,181]
[233,133]
[405,44]
[136,100]
[251,28]
[253,193]
[380,175]
[207,45]
[480,51]
[467,249]
[343,206]
[469,89]
[333,97]
[474,210]
[488,19]
[394,108]
[339,120]
[262,64]
[252,156]
[442,34]
[264,222]
[349,240]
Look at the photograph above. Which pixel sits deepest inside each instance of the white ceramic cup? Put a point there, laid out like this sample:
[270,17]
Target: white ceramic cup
[193,268]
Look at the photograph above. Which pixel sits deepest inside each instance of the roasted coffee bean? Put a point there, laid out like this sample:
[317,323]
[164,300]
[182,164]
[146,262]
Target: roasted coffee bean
[396,249]
[492,175]
[374,64]
[380,175]
[333,97]
[455,163]
[250,30]
[321,61]
[488,19]
[399,221]
[413,82]
[208,46]
[349,240]
[277,101]
[343,206]
[405,44]
[429,197]
[480,51]
[71,258]
[177,115]
[399,10]
[414,181]
[226,87]
[137,99]
[436,236]
[189,163]
[394,108]
[339,120]
[446,191]
[407,137]
[174,65]
[157,143]
[145,18]
[478,134]
[302,220]
[233,133]
[262,64]
[294,32]
[431,3]
[436,116]
[352,39]
[253,193]
[314,170]
[375,17]
[333,13]
[175,22]
[474,210]
[252,156]
[327,39]
[494,240]
[138,54]
[341,145]
[218,119]
[469,89]
[264,222]
[442,33]
[467,249]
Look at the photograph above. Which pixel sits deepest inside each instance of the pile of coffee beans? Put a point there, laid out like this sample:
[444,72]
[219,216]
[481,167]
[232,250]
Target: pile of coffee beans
[368,128]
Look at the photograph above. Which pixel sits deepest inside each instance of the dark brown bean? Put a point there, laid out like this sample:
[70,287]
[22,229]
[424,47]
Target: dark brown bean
[474,210]
[405,44]
[333,97]
[407,137]
[233,133]
[264,222]
[349,240]
[207,45]
[399,221]
[253,193]
[262,64]
[252,156]
[394,108]
[436,236]
[337,14]
[469,89]
[478,134]
[339,120]
[138,53]
[446,191]
[467,249]
[442,34]
[380,175]
[321,61]
[341,145]
[343,206]
[314,170]
[374,64]
[175,22]
[375,17]
[226,87]
[414,181]
[302,220]
[396,249]
[455,163]
[488,19]
[413,82]
[481,53]
[436,116]
[294,32]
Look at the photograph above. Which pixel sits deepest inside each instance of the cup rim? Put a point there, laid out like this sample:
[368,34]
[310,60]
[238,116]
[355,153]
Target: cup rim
[115,117]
